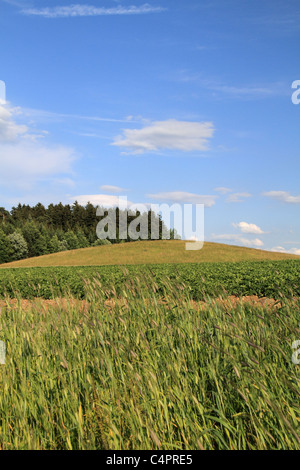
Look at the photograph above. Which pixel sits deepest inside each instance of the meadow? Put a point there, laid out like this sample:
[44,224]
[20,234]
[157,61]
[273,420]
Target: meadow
[149,252]
[150,357]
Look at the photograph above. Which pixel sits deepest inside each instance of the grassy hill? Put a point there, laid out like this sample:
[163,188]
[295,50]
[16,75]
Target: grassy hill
[144,252]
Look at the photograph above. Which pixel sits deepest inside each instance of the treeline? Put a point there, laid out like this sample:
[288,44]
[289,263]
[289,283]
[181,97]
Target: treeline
[34,231]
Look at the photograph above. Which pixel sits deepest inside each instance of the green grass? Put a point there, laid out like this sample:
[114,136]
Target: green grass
[149,252]
[147,375]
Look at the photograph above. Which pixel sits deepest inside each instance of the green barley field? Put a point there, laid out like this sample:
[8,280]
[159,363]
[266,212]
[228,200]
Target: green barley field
[149,372]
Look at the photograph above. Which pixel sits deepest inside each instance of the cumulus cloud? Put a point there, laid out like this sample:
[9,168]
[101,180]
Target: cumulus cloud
[237,197]
[248,228]
[184,197]
[90,10]
[239,238]
[283,196]
[171,134]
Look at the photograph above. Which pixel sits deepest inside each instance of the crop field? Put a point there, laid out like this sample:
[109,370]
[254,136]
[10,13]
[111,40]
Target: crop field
[149,373]
[263,278]
[133,360]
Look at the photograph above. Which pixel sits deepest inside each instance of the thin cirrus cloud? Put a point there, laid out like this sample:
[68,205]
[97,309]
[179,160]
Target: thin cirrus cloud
[57,117]
[283,196]
[170,134]
[80,10]
[184,197]
[112,189]
[248,91]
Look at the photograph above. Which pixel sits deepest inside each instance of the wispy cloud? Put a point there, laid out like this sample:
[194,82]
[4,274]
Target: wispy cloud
[15,3]
[237,197]
[112,189]
[78,10]
[239,239]
[220,89]
[49,115]
[223,190]
[184,197]
[246,91]
[283,196]
[171,134]
[280,22]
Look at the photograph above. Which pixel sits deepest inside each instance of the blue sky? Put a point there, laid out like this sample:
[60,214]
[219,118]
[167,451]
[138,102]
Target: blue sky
[163,102]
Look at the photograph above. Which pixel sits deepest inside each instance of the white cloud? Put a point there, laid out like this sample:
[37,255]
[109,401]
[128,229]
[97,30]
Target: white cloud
[248,228]
[64,181]
[292,251]
[26,162]
[171,134]
[41,114]
[221,89]
[14,2]
[184,197]
[2,92]
[237,197]
[9,130]
[223,190]
[239,238]
[112,189]
[283,196]
[111,201]
[248,91]
[24,159]
[90,10]
[104,200]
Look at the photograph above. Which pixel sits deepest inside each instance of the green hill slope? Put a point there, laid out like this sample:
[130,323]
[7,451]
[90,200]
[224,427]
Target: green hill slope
[144,252]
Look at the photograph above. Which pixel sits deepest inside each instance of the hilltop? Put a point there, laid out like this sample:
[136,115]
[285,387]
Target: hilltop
[146,252]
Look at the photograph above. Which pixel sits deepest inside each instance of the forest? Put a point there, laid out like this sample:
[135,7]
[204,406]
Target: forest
[27,231]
